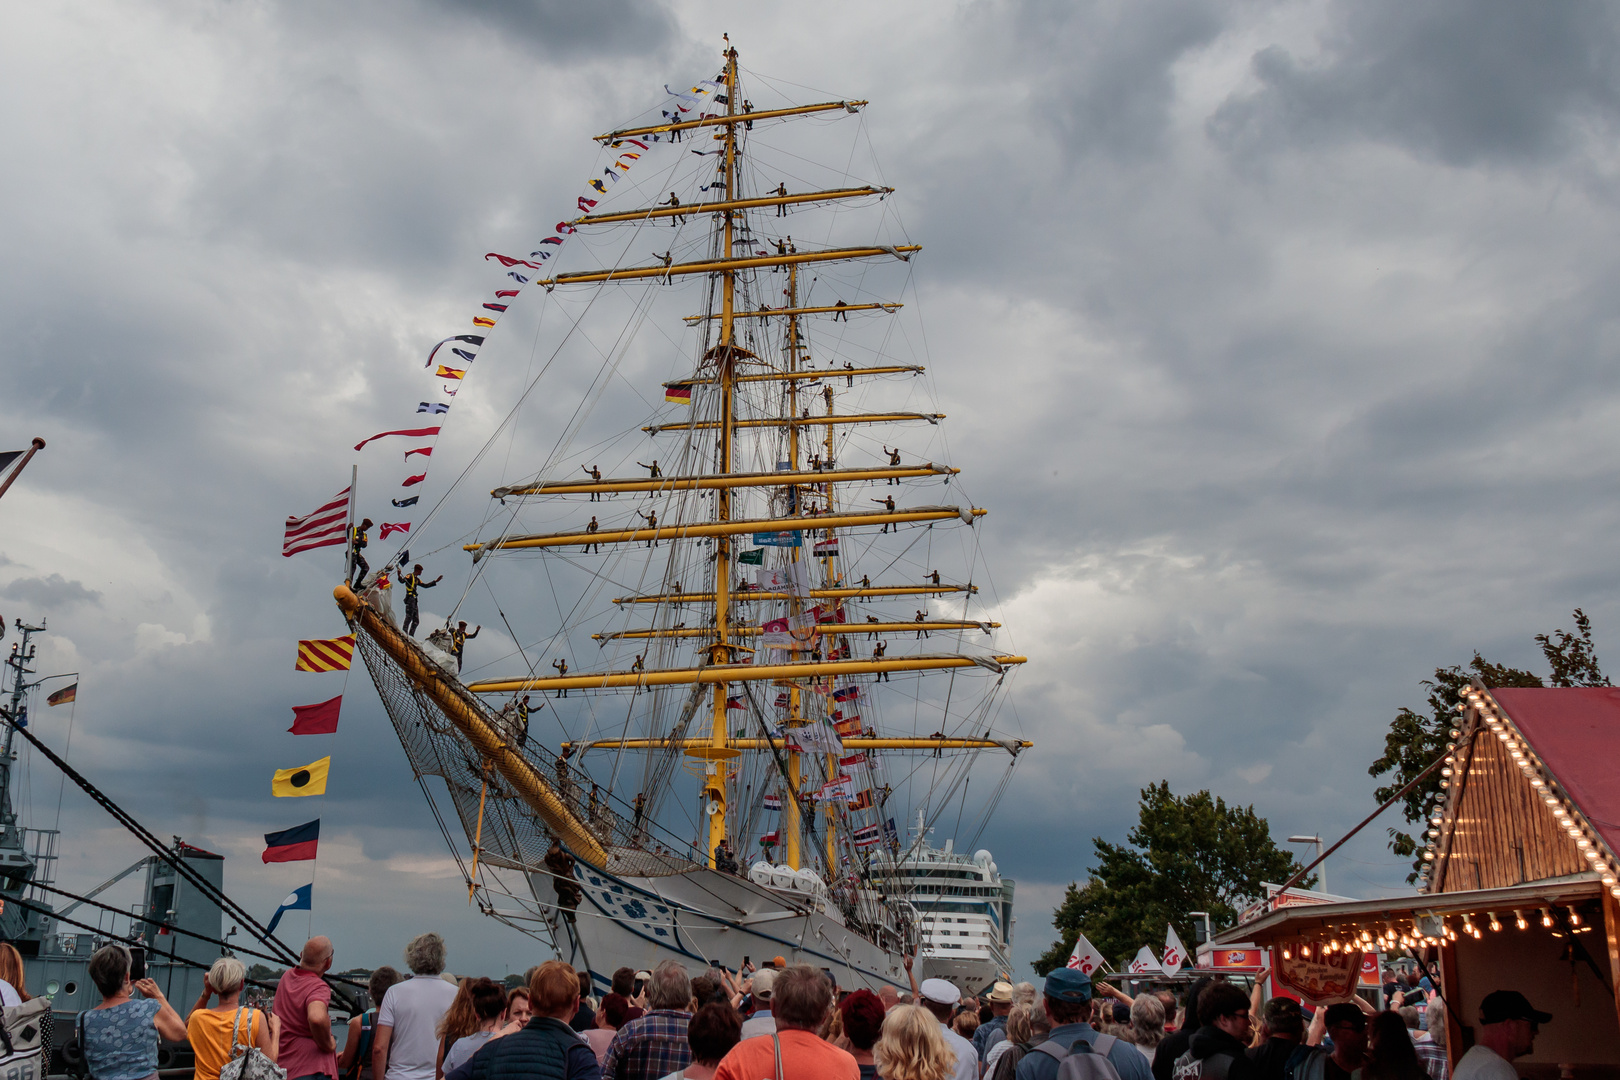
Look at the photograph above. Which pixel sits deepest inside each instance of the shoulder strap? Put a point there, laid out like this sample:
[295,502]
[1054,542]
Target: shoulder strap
[1052,1049]
[776,1040]
[1104,1044]
[235,1021]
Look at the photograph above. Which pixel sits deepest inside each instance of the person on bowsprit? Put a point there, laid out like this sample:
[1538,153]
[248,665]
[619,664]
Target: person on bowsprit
[561,865]
[591,528]
[781,191]
[520,727]
[357,541]
[458,641]
[652,470]
[561,667]
[412,582]
[595,474]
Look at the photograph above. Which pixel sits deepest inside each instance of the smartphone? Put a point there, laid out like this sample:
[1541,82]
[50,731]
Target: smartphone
[745,963]
[137,963]
[714,963]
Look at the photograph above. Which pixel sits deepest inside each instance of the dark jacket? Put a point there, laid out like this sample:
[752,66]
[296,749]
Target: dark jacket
[1210,1040]
[1271,1057]
[1164,1056]
[546,1049]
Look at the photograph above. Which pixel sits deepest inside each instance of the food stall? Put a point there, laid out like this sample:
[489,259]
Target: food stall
[1520,888]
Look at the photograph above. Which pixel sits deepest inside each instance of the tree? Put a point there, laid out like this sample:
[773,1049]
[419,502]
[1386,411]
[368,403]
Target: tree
[1185,854]
[1414,740]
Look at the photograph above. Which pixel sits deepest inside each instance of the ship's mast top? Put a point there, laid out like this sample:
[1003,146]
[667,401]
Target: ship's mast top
[22,654]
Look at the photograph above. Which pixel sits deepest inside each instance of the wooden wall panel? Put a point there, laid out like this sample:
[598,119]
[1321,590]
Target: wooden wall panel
[1503,834]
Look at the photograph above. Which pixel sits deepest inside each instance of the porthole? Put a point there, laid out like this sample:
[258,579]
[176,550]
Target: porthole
[71,988]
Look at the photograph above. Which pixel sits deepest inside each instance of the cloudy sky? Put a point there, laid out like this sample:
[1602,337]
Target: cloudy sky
[1272,334]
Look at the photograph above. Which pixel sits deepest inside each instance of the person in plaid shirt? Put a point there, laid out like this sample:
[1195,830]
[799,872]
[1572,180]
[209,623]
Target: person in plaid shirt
[654,1045]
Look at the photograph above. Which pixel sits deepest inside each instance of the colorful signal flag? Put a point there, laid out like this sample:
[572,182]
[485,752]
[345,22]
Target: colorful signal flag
[293,845]
[325,654]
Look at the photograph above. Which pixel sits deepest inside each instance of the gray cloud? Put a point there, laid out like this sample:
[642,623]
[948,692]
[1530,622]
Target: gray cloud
[566,31]
[51,592]
[1458,82]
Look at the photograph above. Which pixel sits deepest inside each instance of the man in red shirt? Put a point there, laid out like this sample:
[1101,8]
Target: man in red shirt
[302,996]
[800,999]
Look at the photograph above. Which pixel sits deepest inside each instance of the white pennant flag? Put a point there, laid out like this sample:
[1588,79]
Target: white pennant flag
[1175,954]
[1144,962]
[1085,958]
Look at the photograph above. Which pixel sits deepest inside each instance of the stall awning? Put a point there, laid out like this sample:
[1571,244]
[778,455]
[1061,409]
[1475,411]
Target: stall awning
[1403,914]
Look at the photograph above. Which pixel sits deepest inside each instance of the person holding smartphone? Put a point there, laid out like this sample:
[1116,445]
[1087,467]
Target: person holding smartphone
[119,1037]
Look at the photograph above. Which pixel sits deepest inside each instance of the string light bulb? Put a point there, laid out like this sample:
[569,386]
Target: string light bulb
[1518,920]
[1546,917]
[1496,924]
[1574,917]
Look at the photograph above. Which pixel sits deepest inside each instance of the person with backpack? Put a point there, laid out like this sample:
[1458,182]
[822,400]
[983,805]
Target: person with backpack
[355,1061]
[1218,1050]
[1075,1050]
[1027,1028]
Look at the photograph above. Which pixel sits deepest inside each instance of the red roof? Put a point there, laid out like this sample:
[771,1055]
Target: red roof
[1576,732]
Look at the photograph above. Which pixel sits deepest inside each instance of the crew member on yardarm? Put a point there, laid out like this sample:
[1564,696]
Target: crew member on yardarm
[413,581]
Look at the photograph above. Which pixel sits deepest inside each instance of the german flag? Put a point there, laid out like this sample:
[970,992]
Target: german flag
[325,654]
[680,393]
[301,779]
[293,845]
[64,695]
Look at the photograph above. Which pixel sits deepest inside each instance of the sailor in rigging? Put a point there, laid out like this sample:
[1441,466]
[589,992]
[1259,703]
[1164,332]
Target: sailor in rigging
[413,581]
[887,502]
[921,617]
[458,641]
[562,669]
[724,860]
[651,519]
[561,865]
[595,474]
[849,379]
[674,219]
[357,541]
[841,314]
[520,730]
[934,577]
[877,654]
[894,462]
[591,528]
[781,208]
[652,470]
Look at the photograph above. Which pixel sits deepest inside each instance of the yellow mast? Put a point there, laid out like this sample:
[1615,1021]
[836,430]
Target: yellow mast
[715,787]
[789,826]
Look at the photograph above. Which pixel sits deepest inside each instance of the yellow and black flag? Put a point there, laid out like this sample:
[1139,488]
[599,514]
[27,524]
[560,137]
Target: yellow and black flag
[301,780]
[64,695]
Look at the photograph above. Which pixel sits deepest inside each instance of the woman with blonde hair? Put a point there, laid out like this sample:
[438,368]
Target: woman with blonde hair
[215,1031]
[911,1046]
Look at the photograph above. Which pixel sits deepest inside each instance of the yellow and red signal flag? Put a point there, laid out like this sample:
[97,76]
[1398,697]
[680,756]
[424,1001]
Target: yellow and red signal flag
[325,654]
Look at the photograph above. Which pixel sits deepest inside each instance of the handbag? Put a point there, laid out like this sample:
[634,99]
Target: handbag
[251,1063]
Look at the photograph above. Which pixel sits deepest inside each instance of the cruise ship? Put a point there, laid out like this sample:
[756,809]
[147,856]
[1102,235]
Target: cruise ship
[964,916]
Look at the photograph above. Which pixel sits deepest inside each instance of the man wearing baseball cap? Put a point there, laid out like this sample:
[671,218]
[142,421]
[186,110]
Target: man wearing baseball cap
[1507,1029]
[762,1022]
[941,998]
[1067,1001]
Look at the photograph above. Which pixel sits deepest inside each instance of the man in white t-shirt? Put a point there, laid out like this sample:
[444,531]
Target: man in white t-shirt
[1507,1029]
[406,1043]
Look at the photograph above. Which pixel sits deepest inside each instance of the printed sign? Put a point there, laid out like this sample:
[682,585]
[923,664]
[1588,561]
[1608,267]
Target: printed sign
[1237,959]
[1321,979]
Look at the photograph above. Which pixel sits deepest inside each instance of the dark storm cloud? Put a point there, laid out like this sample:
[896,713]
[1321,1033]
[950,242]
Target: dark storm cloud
[1459,81]
[565,31]
[50,592]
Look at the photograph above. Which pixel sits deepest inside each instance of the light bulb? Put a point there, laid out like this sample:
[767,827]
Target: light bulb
[1574,917]
[1546,917]
[1495,924]
[1518,920]
[1286,954]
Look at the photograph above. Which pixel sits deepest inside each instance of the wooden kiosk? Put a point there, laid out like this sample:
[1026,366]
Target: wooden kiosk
[1520,890]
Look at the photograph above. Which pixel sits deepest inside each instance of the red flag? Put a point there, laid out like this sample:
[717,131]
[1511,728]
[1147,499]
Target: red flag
[411,481]
[385,434]
[388,528]
[319,719]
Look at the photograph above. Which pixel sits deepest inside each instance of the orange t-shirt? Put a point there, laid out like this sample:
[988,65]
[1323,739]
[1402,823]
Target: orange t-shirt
[804,1057]
[209,1032]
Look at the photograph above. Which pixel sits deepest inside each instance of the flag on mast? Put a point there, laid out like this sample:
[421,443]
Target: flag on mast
[1175,954]
[323,528]
[64,695]
[300,899]
[1085,958]
[1144,962]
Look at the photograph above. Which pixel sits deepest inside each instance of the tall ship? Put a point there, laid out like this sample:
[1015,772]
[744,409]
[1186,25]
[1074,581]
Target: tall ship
[744,657]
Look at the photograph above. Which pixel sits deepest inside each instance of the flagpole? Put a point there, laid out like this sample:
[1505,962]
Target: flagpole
[37,445]
[348,530]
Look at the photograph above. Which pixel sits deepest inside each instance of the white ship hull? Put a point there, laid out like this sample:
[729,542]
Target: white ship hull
[705,915]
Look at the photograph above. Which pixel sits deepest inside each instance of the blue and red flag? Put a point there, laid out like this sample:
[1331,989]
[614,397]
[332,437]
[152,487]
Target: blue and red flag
[293,845]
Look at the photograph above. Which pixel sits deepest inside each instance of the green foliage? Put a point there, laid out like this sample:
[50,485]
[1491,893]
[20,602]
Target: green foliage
[1185,854]
[1415,740]
[514,981]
